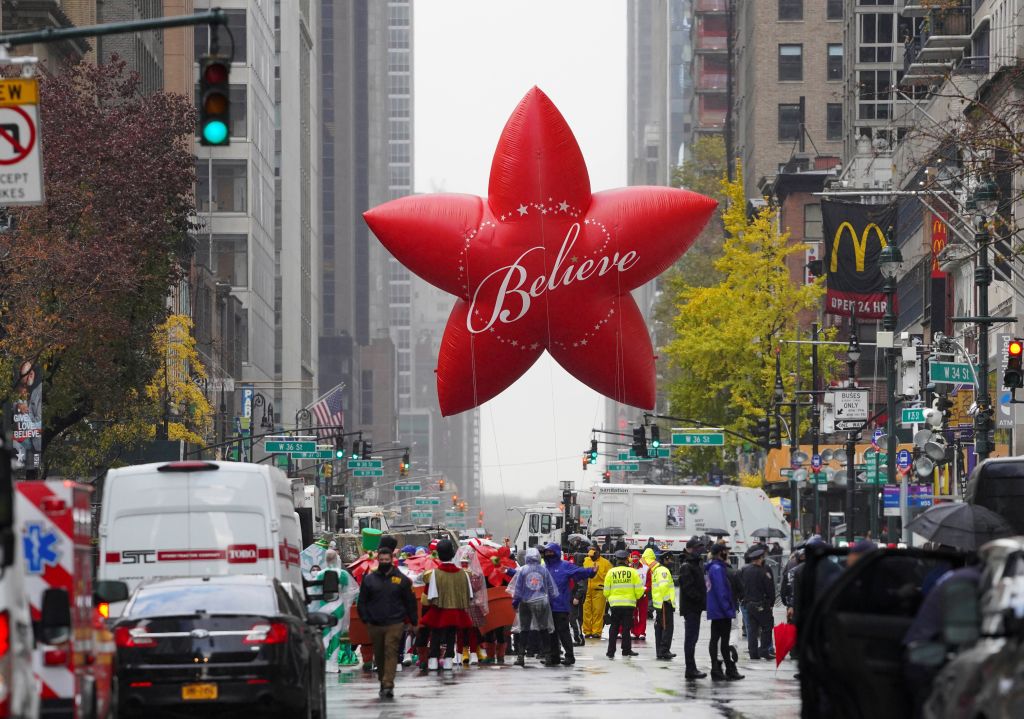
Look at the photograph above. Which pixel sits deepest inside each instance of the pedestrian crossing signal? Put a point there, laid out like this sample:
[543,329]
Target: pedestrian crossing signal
[214,102]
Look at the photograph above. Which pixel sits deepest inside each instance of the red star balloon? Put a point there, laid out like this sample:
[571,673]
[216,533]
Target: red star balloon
[542,264]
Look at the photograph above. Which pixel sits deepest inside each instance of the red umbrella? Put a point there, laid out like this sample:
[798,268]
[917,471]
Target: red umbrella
[785,639]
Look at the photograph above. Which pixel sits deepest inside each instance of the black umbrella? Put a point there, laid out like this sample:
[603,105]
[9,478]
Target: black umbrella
[960,525]
[768,532]
[608,532]
[717,532]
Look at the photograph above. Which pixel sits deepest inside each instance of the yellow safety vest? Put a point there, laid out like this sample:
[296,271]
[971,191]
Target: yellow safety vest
[622,587]
[662,587]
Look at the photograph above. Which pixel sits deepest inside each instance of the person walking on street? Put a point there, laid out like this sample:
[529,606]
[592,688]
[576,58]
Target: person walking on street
[663,594]
[693,599]
[562,573]
[593,605]
[533,591]
[448,596]
[387,605]
[721,611]
[758,600]
[622,588]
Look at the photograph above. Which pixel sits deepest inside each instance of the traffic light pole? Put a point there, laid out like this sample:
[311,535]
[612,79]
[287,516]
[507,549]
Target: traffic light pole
[212,17]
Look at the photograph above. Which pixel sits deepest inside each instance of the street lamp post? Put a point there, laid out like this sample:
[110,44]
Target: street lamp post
[852,355]
[303,414]
[890,262]
[986,199]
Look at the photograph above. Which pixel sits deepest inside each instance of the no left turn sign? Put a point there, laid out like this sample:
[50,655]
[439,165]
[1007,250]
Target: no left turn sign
[21,175]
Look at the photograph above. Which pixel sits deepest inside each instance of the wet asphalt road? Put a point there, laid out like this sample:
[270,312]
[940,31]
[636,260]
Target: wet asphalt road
[594,688]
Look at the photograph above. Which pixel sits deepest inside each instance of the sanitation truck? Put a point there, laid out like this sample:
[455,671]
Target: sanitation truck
[671,514]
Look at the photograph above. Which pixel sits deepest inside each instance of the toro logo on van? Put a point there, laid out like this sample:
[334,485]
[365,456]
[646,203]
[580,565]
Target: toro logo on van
[242,554]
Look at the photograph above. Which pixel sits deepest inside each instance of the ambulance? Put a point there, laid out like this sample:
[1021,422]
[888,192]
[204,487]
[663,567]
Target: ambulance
[73,656]
[19,689]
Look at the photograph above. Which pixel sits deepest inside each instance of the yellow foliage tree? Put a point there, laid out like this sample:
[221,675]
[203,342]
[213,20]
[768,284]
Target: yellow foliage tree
[173,382]
[725,336]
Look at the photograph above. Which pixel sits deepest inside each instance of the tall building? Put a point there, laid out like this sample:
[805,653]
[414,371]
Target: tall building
[142,51]
[235,200]
[789,87]
[381,327]
[709,70]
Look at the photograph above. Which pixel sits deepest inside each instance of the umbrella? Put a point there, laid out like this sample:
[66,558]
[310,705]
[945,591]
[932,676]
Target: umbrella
[608,532]
[768,532]
[785,639]
[717,532]
[581,538]
[960,525]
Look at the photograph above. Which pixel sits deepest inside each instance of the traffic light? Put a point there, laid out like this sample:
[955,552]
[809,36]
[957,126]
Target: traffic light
[403,468]
[984,440]
[367,449]
[355,449]
[640,441]
[776,438]
[593,450]
[586,460]
[440,484]
[339,448]
[455,500]
[214,101]
[606,477]
[1013,377]
[655,436]
[762,433]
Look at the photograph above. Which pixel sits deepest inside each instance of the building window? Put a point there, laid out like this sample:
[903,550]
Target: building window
[399,152]
[874,87]
[877,35]
[791,9]
[834,9]
[366,397]
[228,192]
[399,129]
[231,259]
[834,121]
[789,122]
[812,223]
[835,62]
[398,106]
[791,63]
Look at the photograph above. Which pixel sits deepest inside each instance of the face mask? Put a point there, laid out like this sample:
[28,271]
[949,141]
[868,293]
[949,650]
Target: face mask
[384,566]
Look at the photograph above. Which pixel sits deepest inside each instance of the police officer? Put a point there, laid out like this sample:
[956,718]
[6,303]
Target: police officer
[663,594]
[622,589]
[758,600]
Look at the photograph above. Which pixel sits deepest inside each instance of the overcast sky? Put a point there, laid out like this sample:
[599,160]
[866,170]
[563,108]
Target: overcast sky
[474,61]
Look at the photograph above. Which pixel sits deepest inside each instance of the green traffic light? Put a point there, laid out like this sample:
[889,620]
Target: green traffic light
[655,443]
[215,132]
[339,454]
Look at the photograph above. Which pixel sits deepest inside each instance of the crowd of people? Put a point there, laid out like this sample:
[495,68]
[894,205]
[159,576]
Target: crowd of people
[428,607]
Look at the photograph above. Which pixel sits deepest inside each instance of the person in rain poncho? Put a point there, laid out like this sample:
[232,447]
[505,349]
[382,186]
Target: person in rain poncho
[562,573]
[336,647]
[447,600]
[594,602]
[468,643]
[532,593]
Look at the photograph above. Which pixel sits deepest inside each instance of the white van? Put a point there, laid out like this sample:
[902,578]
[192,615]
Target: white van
[198,518]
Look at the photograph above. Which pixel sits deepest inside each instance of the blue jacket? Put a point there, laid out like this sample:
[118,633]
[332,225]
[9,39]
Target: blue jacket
[562,573]
[720,599]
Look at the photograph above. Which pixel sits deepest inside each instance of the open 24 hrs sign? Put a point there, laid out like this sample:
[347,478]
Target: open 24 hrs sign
[21,169]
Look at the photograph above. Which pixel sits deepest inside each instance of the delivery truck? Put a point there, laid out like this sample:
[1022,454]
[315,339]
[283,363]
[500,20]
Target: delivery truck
[671,514]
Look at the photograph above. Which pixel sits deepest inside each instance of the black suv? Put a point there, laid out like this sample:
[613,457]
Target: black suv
[219,643]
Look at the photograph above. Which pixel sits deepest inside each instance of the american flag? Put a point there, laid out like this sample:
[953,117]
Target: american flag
[327,412]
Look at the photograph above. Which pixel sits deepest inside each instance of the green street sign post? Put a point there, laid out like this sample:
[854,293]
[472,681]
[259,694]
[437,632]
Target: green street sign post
[912,415]
[407,488]
[623,466]
[951,372]
[420,501]
[273,447]
[368,473]
[366,464]
[422,515]
[319,454]
[698,438]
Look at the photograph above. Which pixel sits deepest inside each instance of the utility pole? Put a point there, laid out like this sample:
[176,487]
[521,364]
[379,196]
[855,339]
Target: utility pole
[815,422]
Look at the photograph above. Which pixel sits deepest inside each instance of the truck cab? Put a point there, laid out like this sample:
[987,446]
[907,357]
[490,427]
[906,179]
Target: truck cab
[542,523]
[372,517]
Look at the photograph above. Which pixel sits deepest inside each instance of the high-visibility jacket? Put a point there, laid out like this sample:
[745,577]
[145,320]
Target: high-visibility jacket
[603,566]
[663,589]
[623,587]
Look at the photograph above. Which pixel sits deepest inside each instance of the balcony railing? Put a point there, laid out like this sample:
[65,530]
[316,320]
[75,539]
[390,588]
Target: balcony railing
[712,81]
[711,42]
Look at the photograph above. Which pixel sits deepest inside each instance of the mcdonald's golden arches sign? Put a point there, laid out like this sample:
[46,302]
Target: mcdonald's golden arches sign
[855,234]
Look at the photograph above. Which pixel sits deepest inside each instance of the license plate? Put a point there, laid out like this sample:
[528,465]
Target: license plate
[199,691]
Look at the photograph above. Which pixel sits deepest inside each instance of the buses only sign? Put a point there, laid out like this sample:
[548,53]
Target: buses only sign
[21,168]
